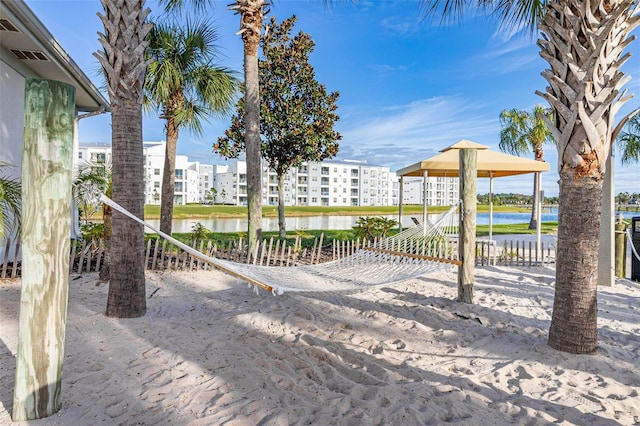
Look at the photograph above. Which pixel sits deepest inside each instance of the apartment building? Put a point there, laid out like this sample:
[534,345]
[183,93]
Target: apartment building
[326,183]
[187,174]
[441,191]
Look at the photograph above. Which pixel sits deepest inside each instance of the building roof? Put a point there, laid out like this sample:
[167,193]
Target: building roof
[25,37]
[490,163]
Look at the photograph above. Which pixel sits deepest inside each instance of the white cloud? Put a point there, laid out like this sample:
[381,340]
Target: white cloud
[401,135]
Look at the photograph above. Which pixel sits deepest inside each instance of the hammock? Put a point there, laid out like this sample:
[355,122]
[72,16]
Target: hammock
[395,259]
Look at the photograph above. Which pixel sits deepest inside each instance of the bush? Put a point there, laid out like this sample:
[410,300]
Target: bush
[92,231]
[370,228]
[198,231]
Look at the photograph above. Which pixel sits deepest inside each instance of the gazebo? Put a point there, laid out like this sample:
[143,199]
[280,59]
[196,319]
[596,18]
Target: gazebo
[491,164]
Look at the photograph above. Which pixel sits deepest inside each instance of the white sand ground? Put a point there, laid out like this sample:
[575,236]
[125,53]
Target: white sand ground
[210,352]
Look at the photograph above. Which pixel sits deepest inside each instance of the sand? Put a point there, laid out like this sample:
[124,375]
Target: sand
[211,352]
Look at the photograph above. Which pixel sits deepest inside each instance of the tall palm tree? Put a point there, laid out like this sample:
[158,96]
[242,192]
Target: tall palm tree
[583,43]
[124,65]
[629,140]
[524,131]
[251,15]
[184,84]
[10,202]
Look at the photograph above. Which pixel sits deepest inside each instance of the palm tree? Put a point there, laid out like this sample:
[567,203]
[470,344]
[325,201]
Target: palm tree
[583,43]
[523,131]
[251,15]
[124,65]
[629,140]
[184,84]
[90,179]
[10,202]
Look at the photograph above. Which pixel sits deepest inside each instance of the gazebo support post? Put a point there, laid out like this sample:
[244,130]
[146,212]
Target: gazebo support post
[539,214]
[467,244]
[400,194]
[490,207]
[425,196]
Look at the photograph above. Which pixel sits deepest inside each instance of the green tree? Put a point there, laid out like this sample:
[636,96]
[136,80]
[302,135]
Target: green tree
[10,202]
[629,140]
[124,65]
[97,177]
[583,44]
[297,114]
[522,132]
[184,84]
[210,195]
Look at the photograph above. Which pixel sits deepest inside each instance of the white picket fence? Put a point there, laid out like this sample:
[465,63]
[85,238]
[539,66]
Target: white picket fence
[163,255]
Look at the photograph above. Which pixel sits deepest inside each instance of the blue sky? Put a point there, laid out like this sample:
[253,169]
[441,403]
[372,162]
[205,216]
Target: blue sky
[409,86]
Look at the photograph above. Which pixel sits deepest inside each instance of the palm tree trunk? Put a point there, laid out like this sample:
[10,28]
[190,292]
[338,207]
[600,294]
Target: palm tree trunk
[252,22]
[251,14]
[124,66]
[585,91]
[573,325]
[282,226]
[126,297]
[169,177]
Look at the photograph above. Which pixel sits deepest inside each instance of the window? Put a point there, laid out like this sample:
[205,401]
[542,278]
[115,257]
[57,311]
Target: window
[156,172]
[156,184]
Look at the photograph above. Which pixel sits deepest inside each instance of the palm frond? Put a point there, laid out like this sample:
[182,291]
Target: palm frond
[10,205]
[629,141]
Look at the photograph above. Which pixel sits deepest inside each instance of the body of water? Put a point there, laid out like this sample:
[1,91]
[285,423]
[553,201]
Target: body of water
[343,222]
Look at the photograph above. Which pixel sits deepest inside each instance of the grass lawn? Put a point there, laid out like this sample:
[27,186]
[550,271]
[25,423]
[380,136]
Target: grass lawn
[195,211]
[308,236]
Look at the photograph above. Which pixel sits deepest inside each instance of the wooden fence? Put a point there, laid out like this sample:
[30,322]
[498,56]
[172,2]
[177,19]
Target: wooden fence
[163,255]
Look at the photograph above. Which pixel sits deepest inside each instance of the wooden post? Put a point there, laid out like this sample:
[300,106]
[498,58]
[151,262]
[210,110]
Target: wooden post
[468,192]
[621,247]
[606,255]
[46,219]
[400,192]
[425,196]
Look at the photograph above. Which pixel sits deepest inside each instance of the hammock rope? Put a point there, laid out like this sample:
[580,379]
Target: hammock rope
[398,258]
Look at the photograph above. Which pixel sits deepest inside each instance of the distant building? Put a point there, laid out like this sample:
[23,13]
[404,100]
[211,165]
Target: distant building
[326,183]
[441,191]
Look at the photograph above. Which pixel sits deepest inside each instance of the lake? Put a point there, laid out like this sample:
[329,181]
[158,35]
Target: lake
[343,222]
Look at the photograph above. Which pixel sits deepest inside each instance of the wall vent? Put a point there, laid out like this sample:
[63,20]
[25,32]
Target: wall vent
[7,25]
[30,55]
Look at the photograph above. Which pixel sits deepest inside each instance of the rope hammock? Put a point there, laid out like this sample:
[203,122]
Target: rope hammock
[409,254]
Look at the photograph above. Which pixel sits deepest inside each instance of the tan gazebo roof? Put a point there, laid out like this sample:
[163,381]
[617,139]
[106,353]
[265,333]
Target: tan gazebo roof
[490,163]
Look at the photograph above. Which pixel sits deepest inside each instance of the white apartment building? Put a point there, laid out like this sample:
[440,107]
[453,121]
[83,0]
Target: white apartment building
[441,191]
[187,180]
[326,183]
